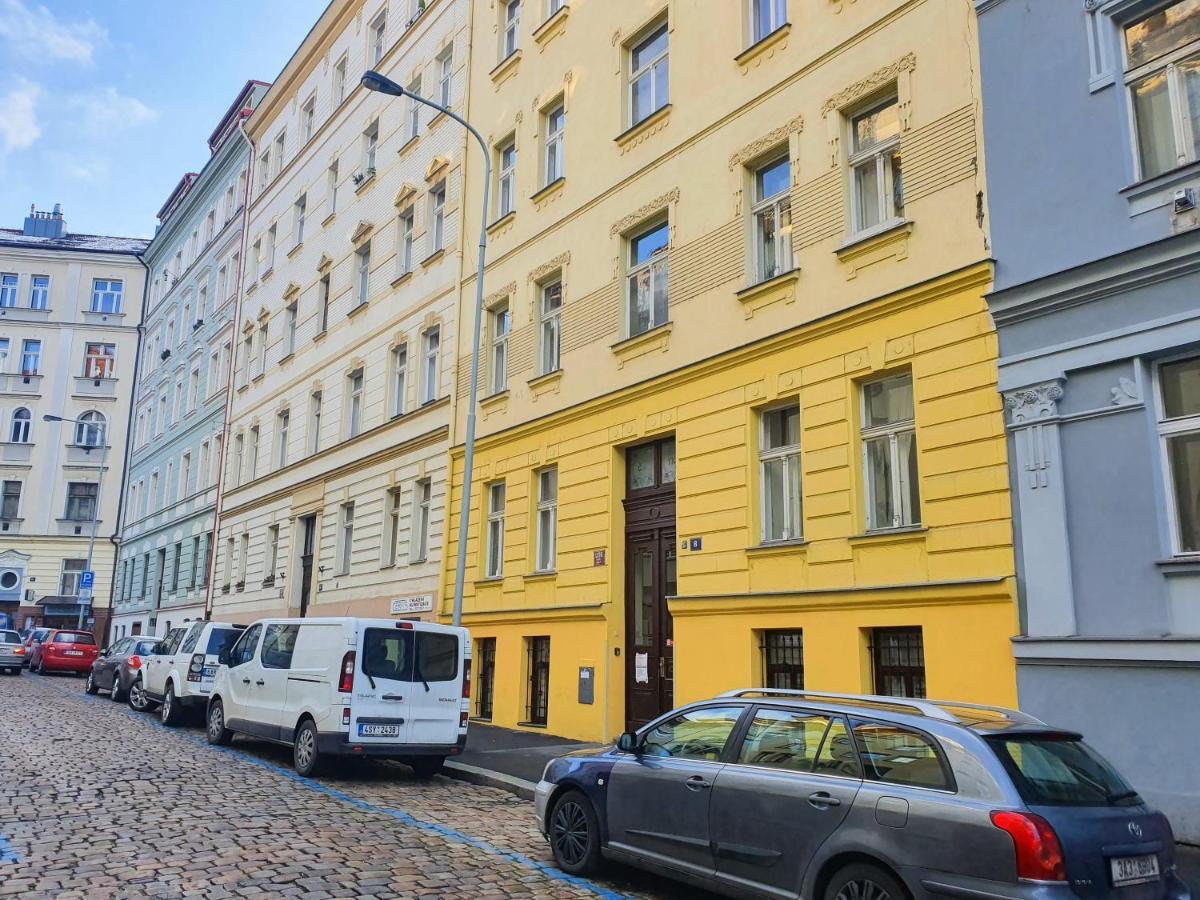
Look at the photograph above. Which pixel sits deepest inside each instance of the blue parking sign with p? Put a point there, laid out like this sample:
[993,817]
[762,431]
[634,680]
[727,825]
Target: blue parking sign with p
[87,579]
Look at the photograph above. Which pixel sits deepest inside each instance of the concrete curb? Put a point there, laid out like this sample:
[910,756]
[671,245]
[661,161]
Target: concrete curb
[487,778]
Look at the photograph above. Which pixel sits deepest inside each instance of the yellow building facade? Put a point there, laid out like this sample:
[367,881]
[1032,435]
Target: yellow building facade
[738,421]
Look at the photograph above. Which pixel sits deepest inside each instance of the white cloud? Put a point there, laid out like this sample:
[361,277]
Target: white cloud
[34,33]
[91,171]
[18,117]
[107,107]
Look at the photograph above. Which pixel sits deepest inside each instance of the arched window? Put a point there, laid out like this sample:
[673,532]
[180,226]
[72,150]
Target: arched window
[20,426]
[89,429]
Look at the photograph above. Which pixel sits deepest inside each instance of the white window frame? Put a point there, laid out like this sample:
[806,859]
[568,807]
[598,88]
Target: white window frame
[555,167]
[647,70]
[878,155]
[356,383]
[370,148]
[31,356]
[892,432]
[494,560]
[406,225]
[446,77]
[308,115]
[283,423]
[21,429]
[362,274]
[510,35]
[110,298]
[437,219]
[414,108]
[506,177]
[394,506]
[39,294]
[1167,430]
[776,18]
[299,211]
[777,205]
[291,317]
[418,549]
[323,291]
[651,265]
[500,326]
[331,186]
[790,454]
[345,538]
[340,69]
[431,347]
[546,511]
[315,402]
[549,328]
[399,365]
[9,283]
[378,37]
[272,553]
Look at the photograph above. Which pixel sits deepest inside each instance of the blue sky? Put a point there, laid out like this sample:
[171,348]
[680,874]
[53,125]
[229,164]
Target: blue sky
[104,104]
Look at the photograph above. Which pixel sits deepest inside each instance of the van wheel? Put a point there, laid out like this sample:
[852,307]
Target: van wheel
[426,766]
[91,688]
[171,711]
[859,881]
[575,834]
[305,756]
[215,730]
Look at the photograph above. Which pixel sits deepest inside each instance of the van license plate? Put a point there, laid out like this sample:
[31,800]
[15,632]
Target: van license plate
[381,731]
[1134,869]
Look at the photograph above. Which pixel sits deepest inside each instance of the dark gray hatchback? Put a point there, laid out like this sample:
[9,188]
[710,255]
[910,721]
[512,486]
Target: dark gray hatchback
[845,797]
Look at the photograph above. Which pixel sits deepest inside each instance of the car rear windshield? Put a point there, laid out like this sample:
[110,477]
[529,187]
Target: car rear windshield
[9,637]
[145,648]
[389,654]
[1061,771]
[74,637]
[221,639]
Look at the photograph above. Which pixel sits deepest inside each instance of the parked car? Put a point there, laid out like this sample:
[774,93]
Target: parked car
[117,667]
[65,651]
[770,793]
[179,674]
[32,639]
[12,652]
[346,686]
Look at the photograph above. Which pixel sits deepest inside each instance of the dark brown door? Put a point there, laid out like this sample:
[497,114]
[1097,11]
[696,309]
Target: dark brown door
[309,525]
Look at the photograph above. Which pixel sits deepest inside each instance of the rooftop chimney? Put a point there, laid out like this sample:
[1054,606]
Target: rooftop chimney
[45,224]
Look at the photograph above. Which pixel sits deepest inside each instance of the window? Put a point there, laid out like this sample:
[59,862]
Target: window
[282,422]
[31,357]
[99,360]
[279,643]
[252,456]
[193,390]
[370,148]
[106,295]
[1054,770]
[783,739]
[648,280]
[547,518]
[537,688]
[1179,427]
[39,292]
[1162,52]
[272,237]
[772,213]
[314,422]
[68,582]
[175,564]
[298,212]
[876,180]
[255,260]
[185,473]
[445,64]
[553,6]
[272,554]
[766,16]
[512,28]
[247,356]
[414,108]
[362,266]
[699,734]
[243,558]
[290,313]
[779,470]
[331,187]
[404,258]
[354,389]
[556,123]
[437,218]
[323,305]
[210,226]
[81,501]
[10,500]
[896,755]
[485,665]
[345,538]
[90,429]
[500,325]
[399,378]
[339,81]
[280,144]
[8,290]
[550,328]
[418,548]
[648,75]
[495,530]
[506,178]
[264,176]
[308,118]
[783,660]
[5,346]
[239,458]
[392,531]
[430,341]
[378,26]
[263,334]
[898,662]
[243,650]
[650,466]
[890,453]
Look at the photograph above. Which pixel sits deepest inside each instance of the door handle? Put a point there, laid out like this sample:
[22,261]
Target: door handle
[697,783]
[822,800]
[260,682]
[392,697]
[245,681]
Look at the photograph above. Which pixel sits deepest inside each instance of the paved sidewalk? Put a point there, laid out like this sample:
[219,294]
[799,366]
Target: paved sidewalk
[508,759]
[1187,859]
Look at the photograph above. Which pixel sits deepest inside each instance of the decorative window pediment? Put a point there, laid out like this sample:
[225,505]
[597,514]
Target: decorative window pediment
[362,232]
[437,166]
[324,262]
[291,290]
[405,195]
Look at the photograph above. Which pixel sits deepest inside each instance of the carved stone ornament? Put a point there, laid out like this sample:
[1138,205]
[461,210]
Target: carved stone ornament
[766,142]
[1125,393]
[1032,403]
[496,296]
[644,211]
[1091,5]
[870,84]
[547,267]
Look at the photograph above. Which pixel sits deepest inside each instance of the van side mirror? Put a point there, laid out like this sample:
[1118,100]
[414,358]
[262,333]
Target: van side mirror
[629,743]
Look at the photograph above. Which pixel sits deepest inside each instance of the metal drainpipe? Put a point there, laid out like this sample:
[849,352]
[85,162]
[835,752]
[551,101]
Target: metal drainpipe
[237,315]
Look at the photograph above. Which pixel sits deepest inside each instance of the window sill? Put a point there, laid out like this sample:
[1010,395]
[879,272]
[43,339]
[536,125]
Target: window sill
[499,398]
[320,335]
[408,145]
[98,317]
[552,27]
[777,39]
[501,222]
[437,119]
[548,575]
[259,377]
[1179,565]
[550,190]
[359,308]
[287,358]
[267,273]
[506,68]
[649,125]
[861,238]
[291,254]
[401,278]
[328,220]
[251,288]
[25,314]
[891,535]
[365,183]
[493,580]
[545,383]
[658,338]
[433,257]
[888,241]
[780,287]
[777,548]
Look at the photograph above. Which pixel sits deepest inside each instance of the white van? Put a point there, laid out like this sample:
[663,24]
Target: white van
[347,687]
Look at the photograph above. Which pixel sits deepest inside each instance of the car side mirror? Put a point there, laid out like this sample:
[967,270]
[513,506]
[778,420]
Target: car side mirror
[223,657]
[629,742]
[104,651]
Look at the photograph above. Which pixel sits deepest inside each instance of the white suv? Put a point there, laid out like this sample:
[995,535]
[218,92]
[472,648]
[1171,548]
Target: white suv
[180,673]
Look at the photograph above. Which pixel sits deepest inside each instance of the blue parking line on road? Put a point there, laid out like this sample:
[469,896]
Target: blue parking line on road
[7,853]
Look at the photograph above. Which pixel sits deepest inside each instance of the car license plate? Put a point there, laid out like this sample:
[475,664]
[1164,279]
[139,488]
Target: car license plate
[73,652]
[1134,869]
[378,730]
[210,671]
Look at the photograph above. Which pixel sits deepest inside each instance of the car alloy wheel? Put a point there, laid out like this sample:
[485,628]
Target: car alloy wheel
[569,832]
[171,710]
[91,687]
[863,889]
[865,881]
[137,696]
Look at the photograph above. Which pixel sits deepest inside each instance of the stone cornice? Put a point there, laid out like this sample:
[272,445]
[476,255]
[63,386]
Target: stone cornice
[642,212]
[867,86]
[776,136]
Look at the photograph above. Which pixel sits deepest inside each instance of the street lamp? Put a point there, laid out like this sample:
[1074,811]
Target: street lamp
[373,81]
[95,503]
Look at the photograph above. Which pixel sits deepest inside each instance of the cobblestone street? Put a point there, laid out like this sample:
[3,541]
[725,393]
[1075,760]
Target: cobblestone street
[97,801]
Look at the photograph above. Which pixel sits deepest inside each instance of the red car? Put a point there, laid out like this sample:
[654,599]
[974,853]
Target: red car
[64,651]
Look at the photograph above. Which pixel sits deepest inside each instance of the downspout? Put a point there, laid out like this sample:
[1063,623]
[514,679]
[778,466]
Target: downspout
[233,343]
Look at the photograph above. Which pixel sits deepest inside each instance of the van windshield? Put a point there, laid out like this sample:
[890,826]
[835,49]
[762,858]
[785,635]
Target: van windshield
[221,640]
[1061,771]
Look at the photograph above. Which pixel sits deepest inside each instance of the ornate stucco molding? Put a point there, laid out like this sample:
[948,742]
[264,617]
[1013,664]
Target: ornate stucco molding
[766,142]
[644,211]
[1030,404]
[546,268]
[504,293]
[870,84]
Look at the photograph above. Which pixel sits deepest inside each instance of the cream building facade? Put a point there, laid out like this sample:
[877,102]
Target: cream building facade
[70,306]
[334,471]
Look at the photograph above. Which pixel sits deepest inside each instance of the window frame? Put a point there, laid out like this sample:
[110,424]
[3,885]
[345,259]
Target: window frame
[413,119]
[554,165]
[355,390]
[445,61]
[546,517]
[510,28]
[283,424]
[647,69]
[39,293]
[31,351]
[437,217]
[406,224]
[9,286]
[494,525]
[392,511]
[778,10]
[431,349]
[112,294]
[776,204]
[418,548]
[550,327]
[398,360]
[877,154]
[377,37]
[892,431]
[499,329]
[634,269]
[1168,429]
[345,547]
[506,177]
[537,685]
[880,670]
[362,274]
[790,454]
[787,668]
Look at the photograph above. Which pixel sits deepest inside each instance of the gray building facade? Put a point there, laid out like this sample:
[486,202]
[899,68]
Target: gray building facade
[1092,128]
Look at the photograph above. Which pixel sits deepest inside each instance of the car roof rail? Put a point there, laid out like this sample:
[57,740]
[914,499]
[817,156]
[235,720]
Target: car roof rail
[933,709]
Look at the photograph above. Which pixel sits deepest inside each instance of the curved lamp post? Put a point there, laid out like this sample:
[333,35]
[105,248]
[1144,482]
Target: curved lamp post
[373,81]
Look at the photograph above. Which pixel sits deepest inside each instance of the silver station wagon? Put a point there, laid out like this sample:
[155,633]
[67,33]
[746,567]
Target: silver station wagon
[766,793]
